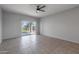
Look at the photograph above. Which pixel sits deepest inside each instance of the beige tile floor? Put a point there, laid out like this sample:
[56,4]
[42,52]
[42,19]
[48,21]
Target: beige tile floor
[38,44]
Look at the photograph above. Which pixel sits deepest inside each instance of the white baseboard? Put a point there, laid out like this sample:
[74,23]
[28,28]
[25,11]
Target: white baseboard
[12,38]
[62,38]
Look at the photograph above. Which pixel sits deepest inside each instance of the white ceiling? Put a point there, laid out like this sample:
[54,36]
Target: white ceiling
[30,9]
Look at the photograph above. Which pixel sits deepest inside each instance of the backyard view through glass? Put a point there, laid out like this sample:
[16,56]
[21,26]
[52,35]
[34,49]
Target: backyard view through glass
[28,28]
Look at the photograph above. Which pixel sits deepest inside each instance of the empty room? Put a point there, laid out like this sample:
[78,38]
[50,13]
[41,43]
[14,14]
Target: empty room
[39,28]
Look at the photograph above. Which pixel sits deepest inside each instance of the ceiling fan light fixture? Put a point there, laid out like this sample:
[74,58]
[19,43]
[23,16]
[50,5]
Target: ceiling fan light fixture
[40,8]
[37,11]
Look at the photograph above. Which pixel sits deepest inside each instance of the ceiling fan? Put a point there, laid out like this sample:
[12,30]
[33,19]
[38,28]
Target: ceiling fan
[40,8]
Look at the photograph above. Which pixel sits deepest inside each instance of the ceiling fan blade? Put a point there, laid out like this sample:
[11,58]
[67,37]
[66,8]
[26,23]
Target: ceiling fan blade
[37,6]
[42,6]
[42,10]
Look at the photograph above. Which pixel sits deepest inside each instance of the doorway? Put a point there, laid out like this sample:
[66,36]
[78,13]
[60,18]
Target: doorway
[28,28]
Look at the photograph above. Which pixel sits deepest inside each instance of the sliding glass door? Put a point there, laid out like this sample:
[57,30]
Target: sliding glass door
[28,28]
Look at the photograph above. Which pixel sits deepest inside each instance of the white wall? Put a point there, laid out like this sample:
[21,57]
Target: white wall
[12,24]
[64,25]
[0,25]
[38,26]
